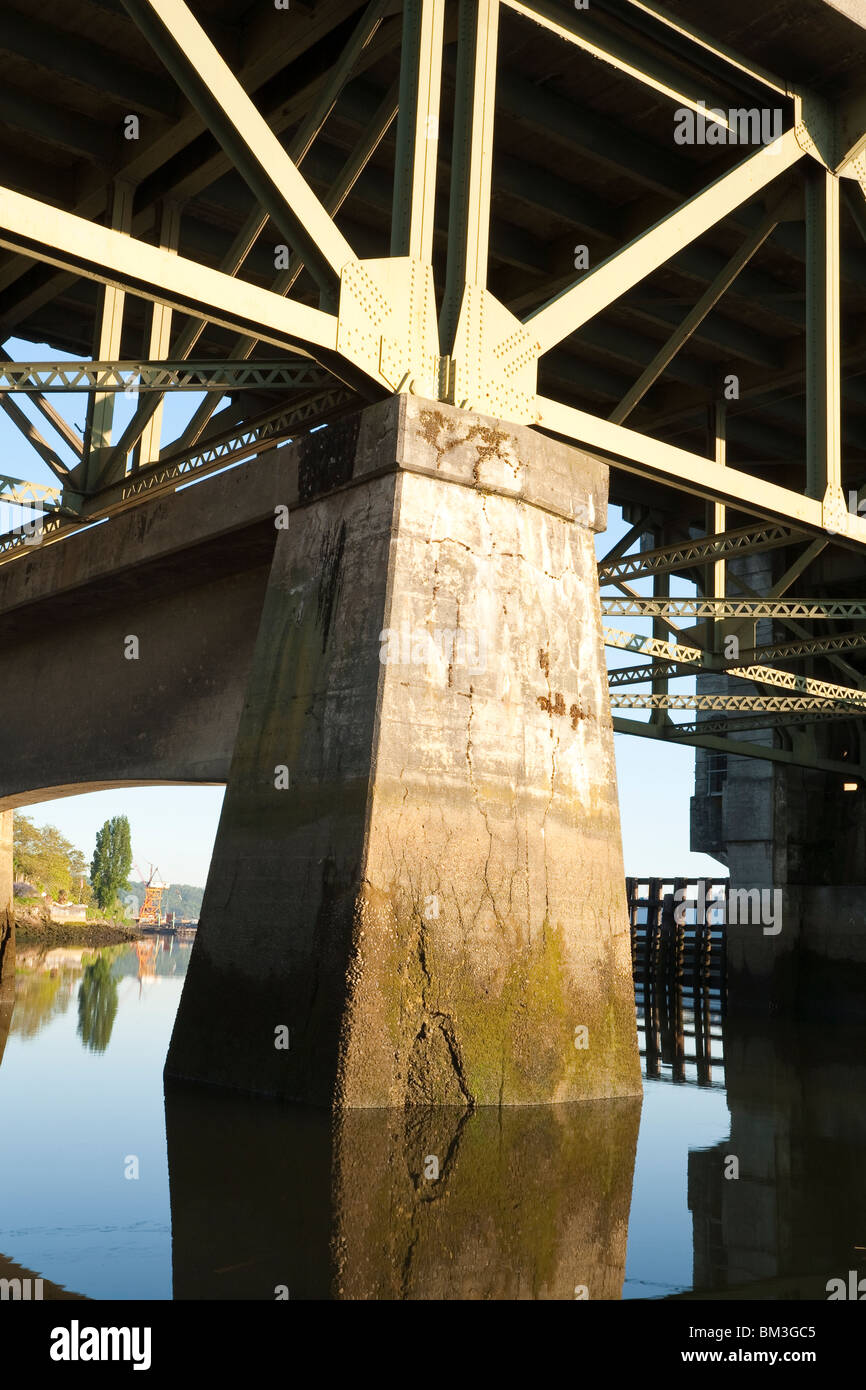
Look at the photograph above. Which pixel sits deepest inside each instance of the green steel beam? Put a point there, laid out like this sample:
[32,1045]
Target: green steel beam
[823,341]
[221,450]
[756,674]
[652,458]
[806,646]
[212,88]
[62,53]
[748,540]
[23,423]
[417,129]
[734,747]
[721,51]
[340,189]
[19,493]
[54,418]
[29,377]
[568,311]
[629,58]
[824,609]
[60,238]
[772,704]
[756,723]
[692,321]
[471,158]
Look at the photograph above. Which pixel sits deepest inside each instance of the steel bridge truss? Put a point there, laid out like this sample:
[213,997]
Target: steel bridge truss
[812,701]
[379,324]
[379,327]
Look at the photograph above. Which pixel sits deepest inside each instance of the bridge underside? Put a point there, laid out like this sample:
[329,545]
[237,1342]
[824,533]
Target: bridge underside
[538,239]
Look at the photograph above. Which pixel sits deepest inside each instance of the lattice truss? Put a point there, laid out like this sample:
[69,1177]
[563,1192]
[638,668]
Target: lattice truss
[461,302]
[811,701]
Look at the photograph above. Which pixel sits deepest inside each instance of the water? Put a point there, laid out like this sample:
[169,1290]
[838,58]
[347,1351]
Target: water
[244,1199]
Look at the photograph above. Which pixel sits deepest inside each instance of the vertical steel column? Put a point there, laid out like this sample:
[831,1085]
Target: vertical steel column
[160,337]
[662,590]
[417,129]
[823,390]
[101,412]
[720,513]
[471,158]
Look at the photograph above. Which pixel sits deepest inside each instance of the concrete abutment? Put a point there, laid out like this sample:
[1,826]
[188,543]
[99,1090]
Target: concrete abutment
[417,888]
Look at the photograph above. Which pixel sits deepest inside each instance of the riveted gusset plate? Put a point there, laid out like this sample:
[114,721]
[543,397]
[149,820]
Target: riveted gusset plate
[816,129]
[387,323]
[495,360]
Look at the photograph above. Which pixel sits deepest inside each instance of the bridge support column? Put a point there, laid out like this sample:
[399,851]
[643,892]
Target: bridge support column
[417,891]
[7,929]
[7,910]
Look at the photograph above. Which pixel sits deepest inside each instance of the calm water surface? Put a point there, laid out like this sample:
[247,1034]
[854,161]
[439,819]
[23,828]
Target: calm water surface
[234,1198]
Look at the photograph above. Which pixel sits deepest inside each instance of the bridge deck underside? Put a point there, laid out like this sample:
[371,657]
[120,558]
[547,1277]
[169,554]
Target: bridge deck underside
[583,155]
[585,159]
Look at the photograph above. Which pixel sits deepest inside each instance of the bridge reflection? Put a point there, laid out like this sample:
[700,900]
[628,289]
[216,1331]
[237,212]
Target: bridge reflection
[795,1216]
[529,1202]
[7,984]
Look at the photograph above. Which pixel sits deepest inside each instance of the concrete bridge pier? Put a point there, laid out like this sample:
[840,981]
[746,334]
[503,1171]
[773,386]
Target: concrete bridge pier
[417,891]
[799,859]
[7,911]
[7,930]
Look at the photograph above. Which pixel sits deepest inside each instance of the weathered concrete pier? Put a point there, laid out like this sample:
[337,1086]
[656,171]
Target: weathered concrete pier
[430,898]
[468,239]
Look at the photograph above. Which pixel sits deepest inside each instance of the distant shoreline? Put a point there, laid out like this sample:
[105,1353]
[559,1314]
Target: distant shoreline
[30,929]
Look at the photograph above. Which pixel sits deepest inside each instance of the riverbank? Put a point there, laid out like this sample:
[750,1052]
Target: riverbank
[33,927]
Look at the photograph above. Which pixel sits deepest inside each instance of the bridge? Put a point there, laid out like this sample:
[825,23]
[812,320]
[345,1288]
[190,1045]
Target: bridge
[447,277]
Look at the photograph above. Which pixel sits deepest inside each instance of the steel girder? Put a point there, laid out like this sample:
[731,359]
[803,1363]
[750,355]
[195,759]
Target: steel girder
[824,609]
[163,375]
[772,704]
[689,736]
[221,450]
[379,326]
[748,540]
[756,675]
[16,492]
[808,646]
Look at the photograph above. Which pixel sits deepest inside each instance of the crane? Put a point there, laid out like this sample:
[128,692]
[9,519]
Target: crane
[150,915]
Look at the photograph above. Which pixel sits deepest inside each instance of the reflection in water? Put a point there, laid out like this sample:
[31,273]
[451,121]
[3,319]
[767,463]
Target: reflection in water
[681,1031]
[418,1204]
[97,1005]
[529,1202]
[7,985]
[795,1216]
[27,1286]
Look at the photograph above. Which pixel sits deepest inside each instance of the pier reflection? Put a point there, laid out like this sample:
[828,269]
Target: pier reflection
[7,984]
[527,1202]
[795,1214]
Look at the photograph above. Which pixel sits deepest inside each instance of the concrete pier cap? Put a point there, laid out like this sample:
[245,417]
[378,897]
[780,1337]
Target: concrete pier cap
[417,891]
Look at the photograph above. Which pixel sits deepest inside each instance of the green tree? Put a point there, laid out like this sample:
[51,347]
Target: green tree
[112,861]
[97,1004]
[46,858]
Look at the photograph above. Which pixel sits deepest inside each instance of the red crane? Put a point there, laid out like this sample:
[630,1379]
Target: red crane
[150,914]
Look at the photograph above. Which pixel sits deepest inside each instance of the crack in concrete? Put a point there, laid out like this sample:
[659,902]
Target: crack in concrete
[483,814]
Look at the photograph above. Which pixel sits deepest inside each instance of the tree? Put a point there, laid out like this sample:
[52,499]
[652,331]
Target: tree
[112,861]
[97,1001]
[44,857]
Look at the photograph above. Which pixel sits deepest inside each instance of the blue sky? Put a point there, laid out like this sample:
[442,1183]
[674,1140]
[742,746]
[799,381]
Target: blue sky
[174,827]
